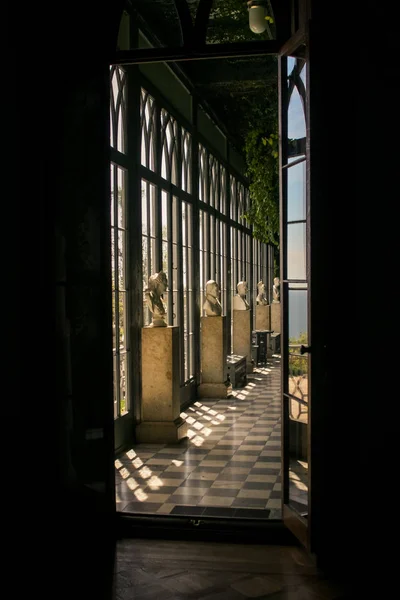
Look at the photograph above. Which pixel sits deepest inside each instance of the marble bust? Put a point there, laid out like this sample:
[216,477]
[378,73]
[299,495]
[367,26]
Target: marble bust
[239,299]
[212,305]
[276,290]
[261,297]
[157,285]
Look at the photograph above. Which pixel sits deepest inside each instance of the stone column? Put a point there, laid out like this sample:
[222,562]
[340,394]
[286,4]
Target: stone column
[242,336]
[214,372]
[263,316]
[276,317]
[161,423]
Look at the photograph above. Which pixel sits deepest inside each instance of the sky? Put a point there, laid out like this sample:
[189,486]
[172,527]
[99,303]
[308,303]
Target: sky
[296,251]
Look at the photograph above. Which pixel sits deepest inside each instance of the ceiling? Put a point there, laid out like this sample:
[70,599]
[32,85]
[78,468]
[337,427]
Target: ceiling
[233,88]
[223,20]
[230,87]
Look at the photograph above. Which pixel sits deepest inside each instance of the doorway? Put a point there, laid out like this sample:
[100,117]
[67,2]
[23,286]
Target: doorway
[191,195]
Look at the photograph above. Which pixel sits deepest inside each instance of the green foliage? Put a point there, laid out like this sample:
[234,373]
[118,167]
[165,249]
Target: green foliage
[253,115]
[301,339]
[229,22]
[297,363]
[261,152]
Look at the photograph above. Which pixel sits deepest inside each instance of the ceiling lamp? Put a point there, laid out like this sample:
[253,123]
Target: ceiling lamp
[257,16]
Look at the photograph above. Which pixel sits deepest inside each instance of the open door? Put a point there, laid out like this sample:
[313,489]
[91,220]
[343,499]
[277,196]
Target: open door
[295,285]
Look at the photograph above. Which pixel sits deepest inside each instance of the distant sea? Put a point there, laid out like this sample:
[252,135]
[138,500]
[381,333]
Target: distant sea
[297,313]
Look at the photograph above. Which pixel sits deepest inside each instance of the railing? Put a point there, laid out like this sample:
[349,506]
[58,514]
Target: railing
[298,384]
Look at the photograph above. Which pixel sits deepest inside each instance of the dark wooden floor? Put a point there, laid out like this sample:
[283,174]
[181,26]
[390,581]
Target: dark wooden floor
[184,570]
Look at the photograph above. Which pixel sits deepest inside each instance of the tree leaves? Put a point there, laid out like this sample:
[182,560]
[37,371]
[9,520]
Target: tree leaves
[261,151]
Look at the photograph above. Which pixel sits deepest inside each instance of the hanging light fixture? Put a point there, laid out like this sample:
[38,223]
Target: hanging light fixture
[257,14]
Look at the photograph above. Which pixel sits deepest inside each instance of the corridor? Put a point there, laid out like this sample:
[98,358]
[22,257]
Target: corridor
[229,466]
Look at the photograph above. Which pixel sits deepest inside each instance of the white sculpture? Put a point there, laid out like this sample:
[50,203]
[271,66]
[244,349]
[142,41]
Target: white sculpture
[239,300]
[261,297]
[158,284]
[276,290]
[212,305]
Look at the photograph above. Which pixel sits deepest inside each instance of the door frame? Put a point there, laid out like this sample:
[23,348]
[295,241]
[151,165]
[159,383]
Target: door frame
[290,519]
[298,525]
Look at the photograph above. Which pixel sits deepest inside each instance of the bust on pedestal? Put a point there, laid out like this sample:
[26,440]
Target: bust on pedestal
[161,421]
[214,372]
[261,297]
[263,317]
[276,307]
[276,290]
[212,305]
[239,299]
[157,285]
[241,339]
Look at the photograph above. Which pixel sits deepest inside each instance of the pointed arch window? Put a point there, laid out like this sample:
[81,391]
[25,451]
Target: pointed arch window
[213,169]
[203,173]
[148,130]
[186,160]
[223,198]
[118,109]
[169,147]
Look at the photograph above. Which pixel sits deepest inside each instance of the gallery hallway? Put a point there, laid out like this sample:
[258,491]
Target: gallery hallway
[229,466]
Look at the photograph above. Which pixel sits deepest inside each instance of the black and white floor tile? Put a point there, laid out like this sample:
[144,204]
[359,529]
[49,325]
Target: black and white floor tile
[229,466]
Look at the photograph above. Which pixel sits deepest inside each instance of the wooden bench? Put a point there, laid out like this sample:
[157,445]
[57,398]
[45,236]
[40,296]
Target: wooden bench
[237,370]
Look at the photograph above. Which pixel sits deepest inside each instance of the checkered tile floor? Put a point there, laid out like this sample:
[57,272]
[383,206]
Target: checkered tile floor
[229,466]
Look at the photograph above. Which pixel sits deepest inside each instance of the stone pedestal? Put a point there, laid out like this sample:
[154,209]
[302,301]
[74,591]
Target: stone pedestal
[263,320]
[242,336]
[161,423]
[276,317]
[263,316]
[214,370]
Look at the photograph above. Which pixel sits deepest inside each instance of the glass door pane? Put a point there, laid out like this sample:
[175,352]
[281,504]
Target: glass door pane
[295,287]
